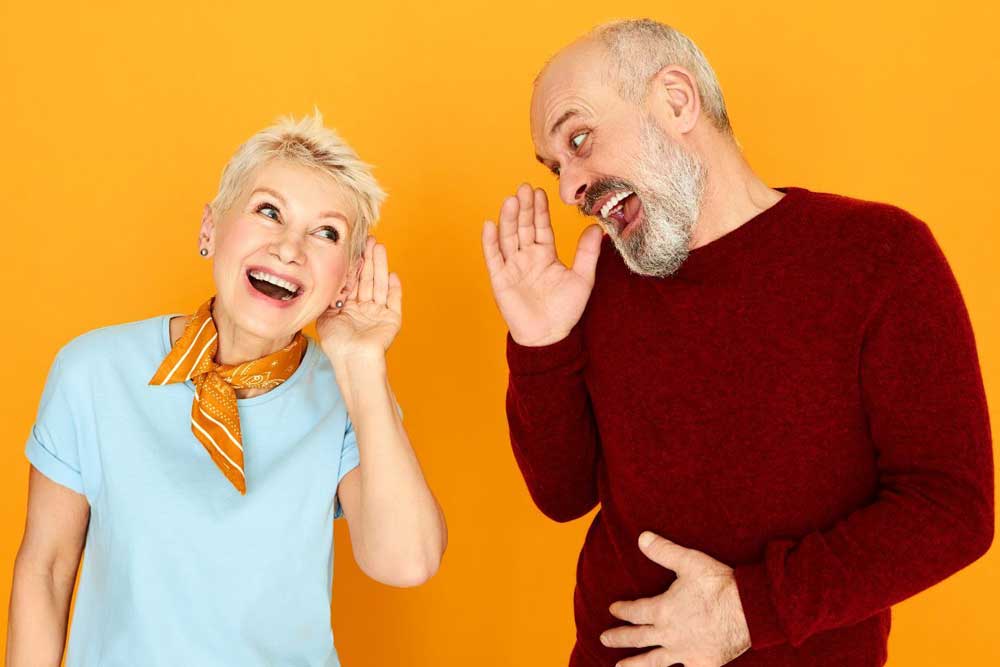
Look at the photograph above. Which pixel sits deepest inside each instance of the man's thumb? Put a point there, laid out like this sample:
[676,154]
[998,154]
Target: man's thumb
[588,249]
[663,552]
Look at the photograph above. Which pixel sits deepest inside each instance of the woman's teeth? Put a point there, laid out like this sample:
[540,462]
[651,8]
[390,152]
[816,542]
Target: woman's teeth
[277,288]
[614,202]
[275,280]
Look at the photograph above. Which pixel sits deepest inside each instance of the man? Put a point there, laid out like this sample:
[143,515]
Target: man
[774,395]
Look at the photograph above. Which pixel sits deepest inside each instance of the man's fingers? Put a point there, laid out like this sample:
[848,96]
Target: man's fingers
[659,657]
[630,636]
[366,284]
[380,284]
[508,227]
[636,612]
[525,215]
[543,224]
[395,298]
[588,249]
[491,249]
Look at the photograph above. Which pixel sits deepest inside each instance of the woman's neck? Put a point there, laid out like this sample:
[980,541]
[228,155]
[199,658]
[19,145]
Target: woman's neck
[236,346]
[177,325]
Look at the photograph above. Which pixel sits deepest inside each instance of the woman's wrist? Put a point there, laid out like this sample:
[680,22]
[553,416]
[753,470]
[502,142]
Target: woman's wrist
[358,373]
[354,358]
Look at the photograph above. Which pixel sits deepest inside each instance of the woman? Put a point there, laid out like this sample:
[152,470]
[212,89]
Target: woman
[203,458]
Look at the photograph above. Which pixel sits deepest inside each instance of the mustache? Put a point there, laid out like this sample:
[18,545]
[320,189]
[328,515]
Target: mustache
[599,189]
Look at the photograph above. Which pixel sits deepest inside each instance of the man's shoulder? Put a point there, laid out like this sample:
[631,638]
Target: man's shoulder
[862,226]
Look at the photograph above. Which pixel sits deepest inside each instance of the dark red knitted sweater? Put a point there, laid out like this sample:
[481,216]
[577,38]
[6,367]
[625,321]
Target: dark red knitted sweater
[802,401]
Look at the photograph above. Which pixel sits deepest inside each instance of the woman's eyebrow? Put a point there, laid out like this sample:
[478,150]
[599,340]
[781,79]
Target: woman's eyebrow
[335,214]
[269,191]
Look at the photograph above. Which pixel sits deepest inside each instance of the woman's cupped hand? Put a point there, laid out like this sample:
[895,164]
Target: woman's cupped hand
[371,315]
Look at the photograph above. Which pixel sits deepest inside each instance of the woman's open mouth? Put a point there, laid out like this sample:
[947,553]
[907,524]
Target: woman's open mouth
[275,288]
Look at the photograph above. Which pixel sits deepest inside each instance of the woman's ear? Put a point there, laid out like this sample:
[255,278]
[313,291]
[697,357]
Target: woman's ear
[206,236]
[353,276]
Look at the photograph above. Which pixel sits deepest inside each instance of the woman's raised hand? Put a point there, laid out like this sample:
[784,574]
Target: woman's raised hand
[539,297]
[371,315]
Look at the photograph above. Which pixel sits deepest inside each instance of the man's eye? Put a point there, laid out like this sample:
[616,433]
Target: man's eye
[329,233]
[577,139]
[268,211]
[555,170]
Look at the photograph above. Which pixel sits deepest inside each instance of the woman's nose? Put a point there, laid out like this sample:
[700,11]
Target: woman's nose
[288,248]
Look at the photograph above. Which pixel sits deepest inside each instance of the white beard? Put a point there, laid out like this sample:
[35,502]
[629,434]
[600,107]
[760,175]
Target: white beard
[670,185]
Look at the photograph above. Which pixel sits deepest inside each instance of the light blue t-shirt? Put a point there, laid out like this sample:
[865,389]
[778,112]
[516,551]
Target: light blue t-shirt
[179,568]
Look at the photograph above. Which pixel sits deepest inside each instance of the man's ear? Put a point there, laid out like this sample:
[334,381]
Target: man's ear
[674,99]
[206,235]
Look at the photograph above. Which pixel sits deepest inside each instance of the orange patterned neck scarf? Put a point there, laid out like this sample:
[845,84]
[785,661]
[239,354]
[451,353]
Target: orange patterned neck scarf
[215,420]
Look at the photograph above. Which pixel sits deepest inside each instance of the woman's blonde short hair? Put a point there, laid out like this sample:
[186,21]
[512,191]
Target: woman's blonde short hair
[309,143]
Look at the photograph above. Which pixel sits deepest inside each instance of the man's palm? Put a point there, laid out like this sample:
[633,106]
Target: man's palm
[539,297]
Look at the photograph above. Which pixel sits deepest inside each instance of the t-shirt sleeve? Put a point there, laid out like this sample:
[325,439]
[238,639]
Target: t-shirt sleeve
[349,460]
[54,443]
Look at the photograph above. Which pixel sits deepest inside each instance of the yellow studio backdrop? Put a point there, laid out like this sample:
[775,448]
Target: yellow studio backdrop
[118,117]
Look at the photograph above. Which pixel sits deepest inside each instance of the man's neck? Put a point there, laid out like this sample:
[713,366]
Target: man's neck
[733,195]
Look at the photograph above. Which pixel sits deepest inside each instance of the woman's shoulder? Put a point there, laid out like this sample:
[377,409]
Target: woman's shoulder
[116,344]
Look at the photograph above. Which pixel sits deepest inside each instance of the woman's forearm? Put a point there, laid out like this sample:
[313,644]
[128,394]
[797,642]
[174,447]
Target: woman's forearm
[39,609]
[402,530]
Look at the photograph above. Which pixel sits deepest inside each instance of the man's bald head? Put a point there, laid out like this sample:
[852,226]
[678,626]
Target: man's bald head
[629,53]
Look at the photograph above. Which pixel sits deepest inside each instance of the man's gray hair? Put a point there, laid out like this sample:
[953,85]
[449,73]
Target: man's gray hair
[640,48]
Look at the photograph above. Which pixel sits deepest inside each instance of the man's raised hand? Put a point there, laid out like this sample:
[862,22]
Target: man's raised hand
[539,297]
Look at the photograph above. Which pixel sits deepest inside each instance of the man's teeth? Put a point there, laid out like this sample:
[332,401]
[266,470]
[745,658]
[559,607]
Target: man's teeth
[613,202]
[275,280]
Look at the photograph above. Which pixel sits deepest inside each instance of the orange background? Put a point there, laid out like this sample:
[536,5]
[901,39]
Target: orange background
[118,118]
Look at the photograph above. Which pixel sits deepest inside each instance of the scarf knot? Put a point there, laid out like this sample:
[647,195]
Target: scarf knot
[215,420]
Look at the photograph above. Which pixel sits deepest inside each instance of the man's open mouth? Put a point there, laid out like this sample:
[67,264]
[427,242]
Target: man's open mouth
[621,209]
[273,286]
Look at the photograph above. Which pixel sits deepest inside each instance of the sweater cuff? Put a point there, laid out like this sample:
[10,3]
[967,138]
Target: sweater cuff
[758,608]
[524,360]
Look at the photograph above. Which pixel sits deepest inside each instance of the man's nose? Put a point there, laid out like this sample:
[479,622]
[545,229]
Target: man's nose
[573,184]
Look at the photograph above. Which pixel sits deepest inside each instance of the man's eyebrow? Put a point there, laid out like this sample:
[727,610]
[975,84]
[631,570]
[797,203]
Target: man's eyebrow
[562,119]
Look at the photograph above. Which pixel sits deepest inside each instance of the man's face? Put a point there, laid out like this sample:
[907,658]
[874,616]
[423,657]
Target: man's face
[615,162]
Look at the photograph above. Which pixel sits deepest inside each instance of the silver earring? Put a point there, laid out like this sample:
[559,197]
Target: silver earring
[203,252]
[339,304]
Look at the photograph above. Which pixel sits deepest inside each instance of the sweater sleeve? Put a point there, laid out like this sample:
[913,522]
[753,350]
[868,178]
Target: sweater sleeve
[552,427]
[933,511]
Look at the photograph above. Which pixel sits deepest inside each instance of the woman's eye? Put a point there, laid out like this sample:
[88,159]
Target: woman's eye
[329,233]
[577,139]
[269,211]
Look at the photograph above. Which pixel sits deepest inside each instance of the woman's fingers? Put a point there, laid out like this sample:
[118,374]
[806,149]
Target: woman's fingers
[366,286]
[395,298]
[508,227]
[525,215]
[380,291]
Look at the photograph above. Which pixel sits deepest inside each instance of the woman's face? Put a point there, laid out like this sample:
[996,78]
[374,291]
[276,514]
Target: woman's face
[281,251]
